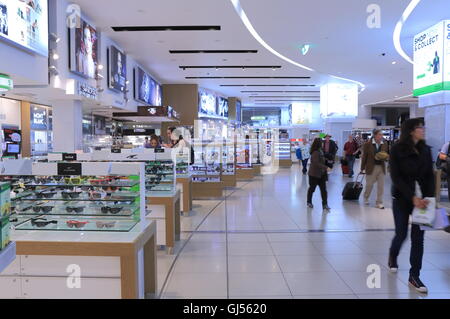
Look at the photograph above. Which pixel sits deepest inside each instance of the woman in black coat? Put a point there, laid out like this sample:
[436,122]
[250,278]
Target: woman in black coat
[410,162]
[318,175]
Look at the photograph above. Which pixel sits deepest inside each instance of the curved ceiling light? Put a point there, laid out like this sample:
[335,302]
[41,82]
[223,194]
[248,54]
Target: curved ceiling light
[237,6]
[398,30]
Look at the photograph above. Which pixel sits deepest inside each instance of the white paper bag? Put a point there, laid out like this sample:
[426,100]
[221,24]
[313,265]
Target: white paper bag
[425,216]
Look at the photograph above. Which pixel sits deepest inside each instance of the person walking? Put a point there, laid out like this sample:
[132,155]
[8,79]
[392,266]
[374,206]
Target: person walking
[318,174]
[375,154]
[350,149]
[410,162]
[330,149]
[303,155]
[444,156]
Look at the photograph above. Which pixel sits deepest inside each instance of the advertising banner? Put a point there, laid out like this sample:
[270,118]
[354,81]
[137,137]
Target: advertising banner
[429,57]
[25,23]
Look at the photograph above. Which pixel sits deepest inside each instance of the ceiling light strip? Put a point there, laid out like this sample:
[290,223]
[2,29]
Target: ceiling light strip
[237,6]
[398,30]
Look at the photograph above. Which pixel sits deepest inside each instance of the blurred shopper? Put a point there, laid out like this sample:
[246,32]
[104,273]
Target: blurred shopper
[330,149]
[318,174]
[375,155]
[410,162]
[168,143]
[303,155]
[147,143]
[350,149]
[154,142]
[444,156]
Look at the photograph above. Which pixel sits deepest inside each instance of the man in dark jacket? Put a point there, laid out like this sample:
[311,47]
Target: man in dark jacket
[330,149]
[373,167]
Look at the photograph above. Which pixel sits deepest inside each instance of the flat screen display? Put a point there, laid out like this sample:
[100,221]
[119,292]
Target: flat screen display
[117,69]
[222,108]
[301,113]
[84,50]
[207,103]
[25,23]
[12,136]
[147,90]
[13,149]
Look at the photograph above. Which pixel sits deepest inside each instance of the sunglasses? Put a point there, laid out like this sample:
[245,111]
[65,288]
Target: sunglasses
[97,195]
[112,210]
[22,209]
[42,222]
[75,224]
[72,180]
[101,224]
[45,195]
[44,209]
[74,209]
[68,195]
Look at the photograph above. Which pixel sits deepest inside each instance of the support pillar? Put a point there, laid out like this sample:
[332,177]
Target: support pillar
[67,126]
[437,119]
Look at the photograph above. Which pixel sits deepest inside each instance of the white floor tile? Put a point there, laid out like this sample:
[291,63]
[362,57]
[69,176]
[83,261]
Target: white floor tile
[350,262]
[338,248]
[200,264]
[204,249]
[358,282]
[294,248]
[247,238]
[389,296]
[197,285]
[252,264]
[307,263]
[248,284]
[326,297]
[283,237]
[249,249]
[316,283]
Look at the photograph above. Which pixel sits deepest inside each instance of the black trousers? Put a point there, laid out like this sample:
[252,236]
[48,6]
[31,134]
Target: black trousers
[305,165]
[402,210]
[322,183]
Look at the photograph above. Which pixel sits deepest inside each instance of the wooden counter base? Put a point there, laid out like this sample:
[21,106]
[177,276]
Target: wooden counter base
[229,180]
[187,193]
[128,253]
[172,217]
[243,174]
[207,190]
[285,163]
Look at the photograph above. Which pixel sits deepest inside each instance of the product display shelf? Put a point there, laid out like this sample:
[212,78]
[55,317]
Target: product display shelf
[282,152]
[207,170]
[229,164]
[184,181]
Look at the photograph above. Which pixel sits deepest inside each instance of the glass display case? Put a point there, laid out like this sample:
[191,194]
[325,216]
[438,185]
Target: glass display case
[207,161]
[160,178]
[228,159]
[74,203]
[244,154]
[282,150]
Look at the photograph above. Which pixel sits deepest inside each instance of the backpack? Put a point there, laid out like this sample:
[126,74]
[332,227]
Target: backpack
[298,153]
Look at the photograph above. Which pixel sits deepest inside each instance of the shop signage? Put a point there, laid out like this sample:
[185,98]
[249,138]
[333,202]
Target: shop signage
[258,118]
[6,83]
[87,91]
[38,118]
[431,52]
[66,169]
[69,157]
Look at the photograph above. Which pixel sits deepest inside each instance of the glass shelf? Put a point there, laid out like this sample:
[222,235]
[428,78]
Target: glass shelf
[88,210]
[128,197]
[93,224]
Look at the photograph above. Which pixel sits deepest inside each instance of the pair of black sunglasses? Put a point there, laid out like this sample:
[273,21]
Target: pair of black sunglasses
[112,210]
[42,222]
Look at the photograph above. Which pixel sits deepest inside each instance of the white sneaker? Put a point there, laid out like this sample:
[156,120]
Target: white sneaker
[380,206]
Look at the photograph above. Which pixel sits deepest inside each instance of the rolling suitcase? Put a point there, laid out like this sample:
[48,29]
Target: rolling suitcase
[353,190]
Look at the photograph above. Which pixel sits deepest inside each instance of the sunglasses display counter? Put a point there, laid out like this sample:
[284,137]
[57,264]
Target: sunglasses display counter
[94,221]
[87,203]
[229,164]
[184,181]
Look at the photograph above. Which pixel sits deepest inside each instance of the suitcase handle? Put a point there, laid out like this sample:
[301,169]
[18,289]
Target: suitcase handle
[362,179]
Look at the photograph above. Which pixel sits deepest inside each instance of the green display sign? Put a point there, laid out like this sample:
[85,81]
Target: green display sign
[6,83]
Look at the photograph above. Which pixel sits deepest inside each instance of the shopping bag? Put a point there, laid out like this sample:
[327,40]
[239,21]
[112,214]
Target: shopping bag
[426,216]
[441,222]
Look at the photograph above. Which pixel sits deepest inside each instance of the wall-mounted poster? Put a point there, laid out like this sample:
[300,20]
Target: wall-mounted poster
[147,90]
[84,50]
[25,23]
[117,69]
[207,103]
[222,107]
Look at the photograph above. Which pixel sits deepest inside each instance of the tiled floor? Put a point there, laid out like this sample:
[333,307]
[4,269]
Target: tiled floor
[262,242]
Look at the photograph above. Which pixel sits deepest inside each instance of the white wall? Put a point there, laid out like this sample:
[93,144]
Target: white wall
[10,112]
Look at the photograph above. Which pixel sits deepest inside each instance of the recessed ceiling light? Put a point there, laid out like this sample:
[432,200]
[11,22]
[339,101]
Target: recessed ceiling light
[394,62]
